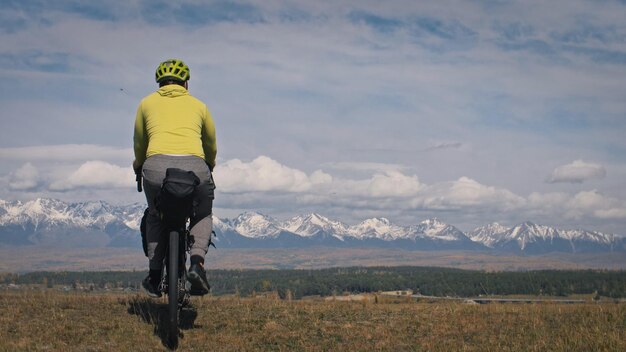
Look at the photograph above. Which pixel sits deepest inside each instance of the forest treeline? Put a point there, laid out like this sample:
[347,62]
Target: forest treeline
[336,281]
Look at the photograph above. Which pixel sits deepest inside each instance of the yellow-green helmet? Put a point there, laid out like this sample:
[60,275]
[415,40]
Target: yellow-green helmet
[172,68]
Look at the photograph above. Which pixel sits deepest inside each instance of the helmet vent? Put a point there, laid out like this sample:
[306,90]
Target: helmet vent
[173,69]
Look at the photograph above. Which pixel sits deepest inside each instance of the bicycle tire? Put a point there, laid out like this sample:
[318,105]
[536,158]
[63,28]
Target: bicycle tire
[173,291]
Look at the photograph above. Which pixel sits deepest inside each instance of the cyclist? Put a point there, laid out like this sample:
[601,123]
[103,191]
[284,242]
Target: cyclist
[175,130]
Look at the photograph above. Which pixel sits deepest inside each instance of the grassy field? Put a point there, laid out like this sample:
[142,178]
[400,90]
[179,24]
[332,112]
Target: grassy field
[55,321]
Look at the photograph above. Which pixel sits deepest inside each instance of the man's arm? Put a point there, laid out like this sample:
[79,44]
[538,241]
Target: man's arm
[140,140]
[209,143]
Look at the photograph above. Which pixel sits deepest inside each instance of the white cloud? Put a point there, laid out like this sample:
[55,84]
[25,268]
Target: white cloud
[589,200]
[319,177]
[393,191]
[613,213]
[577,172]
[394,184]
[390,184]
[263,174]
[66,152]
[364,166]
[466,193]
[97,175]
[592,203]
[264,183]
[547,201]
[25,178]
[584,204]
[390,189]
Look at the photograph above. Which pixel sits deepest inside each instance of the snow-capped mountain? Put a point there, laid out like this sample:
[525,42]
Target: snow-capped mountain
[54,223]
[377,228]
[437,230]
[51,212]
[315,225]
[532,238]
[489,235]
[255,225]
[95,224]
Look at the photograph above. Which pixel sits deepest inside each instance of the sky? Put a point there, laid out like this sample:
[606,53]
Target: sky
[468,111]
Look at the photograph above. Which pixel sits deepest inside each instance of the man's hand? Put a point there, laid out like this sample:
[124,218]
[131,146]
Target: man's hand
[137,167]
[209,165]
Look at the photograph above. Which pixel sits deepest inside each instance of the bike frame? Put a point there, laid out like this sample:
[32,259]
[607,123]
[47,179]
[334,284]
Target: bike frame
[178,245]
[174,283]
[174,276]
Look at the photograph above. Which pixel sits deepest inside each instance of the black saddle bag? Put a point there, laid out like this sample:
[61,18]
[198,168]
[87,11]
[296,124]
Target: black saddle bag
[175,202]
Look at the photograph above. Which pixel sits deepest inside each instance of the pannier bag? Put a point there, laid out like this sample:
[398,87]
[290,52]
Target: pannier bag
[175,201]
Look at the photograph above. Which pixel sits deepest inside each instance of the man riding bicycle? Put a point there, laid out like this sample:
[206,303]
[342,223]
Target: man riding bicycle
[175,130]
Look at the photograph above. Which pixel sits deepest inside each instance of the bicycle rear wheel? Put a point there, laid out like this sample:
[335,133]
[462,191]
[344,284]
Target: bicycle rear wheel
[173,291]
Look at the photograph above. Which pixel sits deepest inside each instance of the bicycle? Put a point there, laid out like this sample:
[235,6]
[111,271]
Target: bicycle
[175,205]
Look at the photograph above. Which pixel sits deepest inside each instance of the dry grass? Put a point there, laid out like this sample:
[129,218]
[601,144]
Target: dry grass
[53,321]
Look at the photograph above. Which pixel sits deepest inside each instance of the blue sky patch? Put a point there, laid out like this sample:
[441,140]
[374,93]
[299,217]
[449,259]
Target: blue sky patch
[586,33]
[95,10]
[442,36]
[448,30]
[35,60]
[599,55]
[378,23]
[535,46]
[197,15]
[514,31]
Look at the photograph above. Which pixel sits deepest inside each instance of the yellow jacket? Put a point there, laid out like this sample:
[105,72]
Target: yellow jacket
[171,121]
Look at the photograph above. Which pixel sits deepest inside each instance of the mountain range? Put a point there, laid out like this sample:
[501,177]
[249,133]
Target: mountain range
[50,222]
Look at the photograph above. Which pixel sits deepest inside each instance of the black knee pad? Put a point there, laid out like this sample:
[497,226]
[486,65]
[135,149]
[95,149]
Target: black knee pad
[142,230]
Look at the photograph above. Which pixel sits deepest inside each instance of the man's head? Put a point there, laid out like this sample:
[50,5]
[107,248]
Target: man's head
[172,71]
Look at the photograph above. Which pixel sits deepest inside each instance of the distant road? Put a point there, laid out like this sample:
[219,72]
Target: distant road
[482,300]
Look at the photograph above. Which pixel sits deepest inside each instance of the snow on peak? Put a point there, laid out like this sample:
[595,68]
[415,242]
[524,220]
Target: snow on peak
[595,236]
[253,224]
[488,235]
[54,213]
[43,213]
[529,232]
[221,224]
[437,230]
[314,224]
[317,219]
[526,233]
[376,223]
[35,211]
[380,228]
[434,225]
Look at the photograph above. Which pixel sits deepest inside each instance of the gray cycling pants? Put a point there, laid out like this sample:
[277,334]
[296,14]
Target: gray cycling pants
[201,226]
